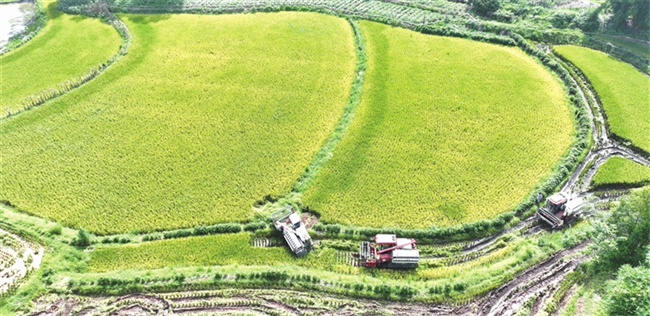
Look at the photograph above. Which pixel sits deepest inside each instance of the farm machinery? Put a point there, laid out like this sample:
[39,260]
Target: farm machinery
[559,210]
[388,251]
[293,230]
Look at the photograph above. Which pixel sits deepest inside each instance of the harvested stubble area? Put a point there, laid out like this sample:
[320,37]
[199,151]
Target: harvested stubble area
[203,117]
[65,48]
[448,131]
[623,90]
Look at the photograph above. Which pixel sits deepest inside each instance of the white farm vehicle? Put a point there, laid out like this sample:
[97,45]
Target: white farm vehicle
[293,230]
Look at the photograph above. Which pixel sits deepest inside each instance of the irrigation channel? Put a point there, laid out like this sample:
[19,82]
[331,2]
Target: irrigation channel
[535,284]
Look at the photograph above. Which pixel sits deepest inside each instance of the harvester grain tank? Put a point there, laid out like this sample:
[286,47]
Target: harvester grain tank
[559,210]
[293,230]
[388,251]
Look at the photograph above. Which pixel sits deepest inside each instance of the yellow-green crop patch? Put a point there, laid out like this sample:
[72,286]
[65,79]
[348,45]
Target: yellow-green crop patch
[202,118]
[621,171]
[623,90]
[191,251]
[448,131]
[66,47]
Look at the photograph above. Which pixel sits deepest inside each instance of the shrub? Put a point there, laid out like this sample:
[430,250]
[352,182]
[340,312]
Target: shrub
[56,230]
[83,238]
[485,7]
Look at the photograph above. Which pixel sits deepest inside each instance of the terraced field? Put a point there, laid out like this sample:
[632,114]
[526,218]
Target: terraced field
[623,91]
[448,131]
[65,48]
[638,47]
[205,116]
[617,171]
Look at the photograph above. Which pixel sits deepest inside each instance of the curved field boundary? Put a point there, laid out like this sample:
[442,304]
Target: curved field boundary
[43,96]
[598,112]
[402,17]
[325,153]
[639,62]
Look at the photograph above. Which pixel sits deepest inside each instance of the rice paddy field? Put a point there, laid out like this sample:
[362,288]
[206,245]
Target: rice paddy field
[192,251]
[66,47]
[621,171]
[448,131]
[623,90]
[202,118]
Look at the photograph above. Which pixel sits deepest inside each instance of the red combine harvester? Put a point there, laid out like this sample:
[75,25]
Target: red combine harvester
[559,210]
[388,251]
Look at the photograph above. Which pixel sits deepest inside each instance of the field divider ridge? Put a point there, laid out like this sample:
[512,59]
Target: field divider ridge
[41,97]
[325,153]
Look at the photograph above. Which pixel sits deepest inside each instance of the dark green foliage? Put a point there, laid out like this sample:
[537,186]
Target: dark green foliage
[406,292]
[383,290]
[563,19]
[83,238]
[638,10]
[629,293]
[485,7]
[56,230]
[203,230]
[250,227]
[588,21]
[622,237]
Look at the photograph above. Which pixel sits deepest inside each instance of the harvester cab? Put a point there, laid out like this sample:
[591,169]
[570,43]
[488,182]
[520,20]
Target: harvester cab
[293,230]
[388,251]
[558,210]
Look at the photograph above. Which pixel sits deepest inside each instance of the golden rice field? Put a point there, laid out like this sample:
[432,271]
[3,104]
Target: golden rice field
[448,131]
[202,118]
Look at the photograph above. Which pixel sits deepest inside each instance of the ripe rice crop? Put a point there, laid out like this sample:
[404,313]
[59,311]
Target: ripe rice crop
[202,118]
[65,48]
[191,251]
[448,131]
[621,171]
[623,91]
